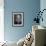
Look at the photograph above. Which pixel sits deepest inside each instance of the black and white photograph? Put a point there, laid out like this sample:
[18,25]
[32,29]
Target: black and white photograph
[18,18]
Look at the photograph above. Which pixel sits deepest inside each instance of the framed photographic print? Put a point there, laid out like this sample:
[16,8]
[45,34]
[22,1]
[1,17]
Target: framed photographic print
[18,19]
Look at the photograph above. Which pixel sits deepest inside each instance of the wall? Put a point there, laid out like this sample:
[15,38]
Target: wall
[1,20]
[29,7]
[43,6]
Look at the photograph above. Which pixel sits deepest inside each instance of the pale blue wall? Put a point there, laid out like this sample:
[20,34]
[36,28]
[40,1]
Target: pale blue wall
[43,6]
[29,7]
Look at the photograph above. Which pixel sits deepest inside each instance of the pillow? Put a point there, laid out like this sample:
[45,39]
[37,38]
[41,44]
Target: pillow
[28,39]
[9,43]
[21,42]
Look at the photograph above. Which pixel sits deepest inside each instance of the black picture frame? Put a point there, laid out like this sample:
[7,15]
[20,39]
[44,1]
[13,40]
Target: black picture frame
[17,19]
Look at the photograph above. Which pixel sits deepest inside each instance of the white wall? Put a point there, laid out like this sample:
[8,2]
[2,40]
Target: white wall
[1,20]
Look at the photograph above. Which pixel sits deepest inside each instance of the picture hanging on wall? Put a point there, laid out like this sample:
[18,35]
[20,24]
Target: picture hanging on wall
[18,19]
